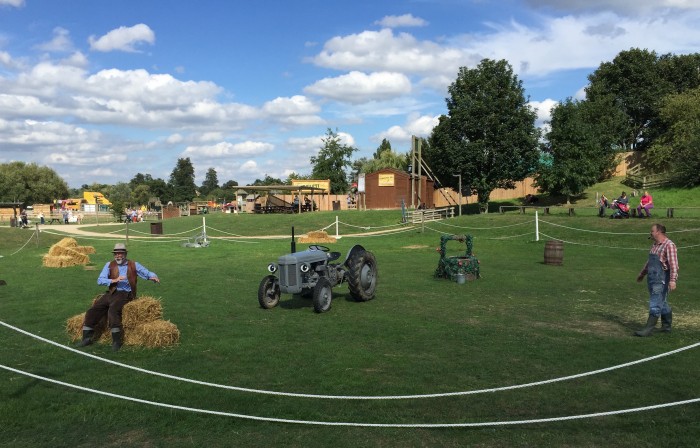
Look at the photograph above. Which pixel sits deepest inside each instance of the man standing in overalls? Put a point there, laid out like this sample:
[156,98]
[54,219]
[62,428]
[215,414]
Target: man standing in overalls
[661,270]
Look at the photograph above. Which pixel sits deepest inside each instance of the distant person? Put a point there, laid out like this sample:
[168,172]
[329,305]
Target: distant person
[42,220]
[604,203]
[621,207]
[120,276]
[661,270]
[23,218]
[646,203]
[65,216]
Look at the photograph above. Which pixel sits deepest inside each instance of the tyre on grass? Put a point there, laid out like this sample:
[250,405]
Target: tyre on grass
[269,292]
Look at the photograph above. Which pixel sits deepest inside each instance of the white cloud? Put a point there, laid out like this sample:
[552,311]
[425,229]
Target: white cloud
[405,20]
[295,110]
[15,3]
[383,51]
[357,87]
[123,39]
[226,149]
[418,125]
[544,110]
[61,41]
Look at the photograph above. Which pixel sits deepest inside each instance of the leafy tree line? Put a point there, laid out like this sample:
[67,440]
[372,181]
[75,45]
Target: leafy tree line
[639,101]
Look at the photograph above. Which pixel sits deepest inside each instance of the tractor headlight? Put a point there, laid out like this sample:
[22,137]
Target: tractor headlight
[304,267]
[272,267]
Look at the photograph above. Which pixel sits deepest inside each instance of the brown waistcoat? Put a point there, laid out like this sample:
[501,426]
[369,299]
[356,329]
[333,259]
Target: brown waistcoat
[130,276]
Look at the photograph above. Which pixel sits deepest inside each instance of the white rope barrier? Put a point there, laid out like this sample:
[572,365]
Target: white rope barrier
[592,245]
[355,424]
[483,228]
[352,397]
[23,246]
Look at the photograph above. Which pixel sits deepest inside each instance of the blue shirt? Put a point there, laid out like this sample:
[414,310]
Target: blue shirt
[123,285]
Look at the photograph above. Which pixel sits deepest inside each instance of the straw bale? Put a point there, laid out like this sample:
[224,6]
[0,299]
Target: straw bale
[67,242]
[159,333]
[318,236]
[142,323]
[67,253]
[142,310]
[61,261]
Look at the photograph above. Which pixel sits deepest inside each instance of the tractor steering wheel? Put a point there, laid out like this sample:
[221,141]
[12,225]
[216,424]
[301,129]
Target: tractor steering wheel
[317,247]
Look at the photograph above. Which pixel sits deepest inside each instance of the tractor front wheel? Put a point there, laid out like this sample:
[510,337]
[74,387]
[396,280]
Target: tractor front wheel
[362,275]
[322,295]
[269,292]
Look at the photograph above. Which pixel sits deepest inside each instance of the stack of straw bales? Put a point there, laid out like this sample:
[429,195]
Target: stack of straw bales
[67,253]
[142,320]
[319,236]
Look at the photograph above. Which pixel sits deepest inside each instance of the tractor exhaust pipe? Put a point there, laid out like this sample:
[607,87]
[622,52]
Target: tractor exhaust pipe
[294,244]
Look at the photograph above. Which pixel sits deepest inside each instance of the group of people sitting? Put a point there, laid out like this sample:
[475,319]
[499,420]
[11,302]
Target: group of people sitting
[621,207]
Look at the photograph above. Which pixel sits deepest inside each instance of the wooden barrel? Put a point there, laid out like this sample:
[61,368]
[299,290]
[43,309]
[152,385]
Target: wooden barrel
[554,253]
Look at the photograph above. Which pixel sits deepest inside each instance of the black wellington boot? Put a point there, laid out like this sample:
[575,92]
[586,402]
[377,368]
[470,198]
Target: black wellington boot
[116,341]
[646,331]
[87,338]
[666,320]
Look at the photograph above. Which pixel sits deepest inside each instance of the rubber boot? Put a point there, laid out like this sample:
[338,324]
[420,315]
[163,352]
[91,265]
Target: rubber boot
[116,340]
[666,320]
[646,331]
[87,338]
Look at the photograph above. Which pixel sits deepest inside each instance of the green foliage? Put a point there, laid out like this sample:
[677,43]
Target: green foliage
[182,181]
[331,161]
[268,180]
[636,82]
[383,146]
[386,159]
[295,176]
[211,182]
[489,135]
[582,146]
[30,184]
[680,146]
[229,184]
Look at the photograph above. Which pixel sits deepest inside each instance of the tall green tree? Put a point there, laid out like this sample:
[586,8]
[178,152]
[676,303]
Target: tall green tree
[331,162]
[582,146]
[268,180]
[211,182]
[30,184]
[679,148]
[181,181]
[386,159]
[634,83]
[489,135]
[383,147]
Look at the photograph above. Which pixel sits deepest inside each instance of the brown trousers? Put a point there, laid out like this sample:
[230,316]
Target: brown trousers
[110,304]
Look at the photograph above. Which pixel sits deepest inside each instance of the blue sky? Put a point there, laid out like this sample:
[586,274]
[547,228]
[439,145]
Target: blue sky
[102,90]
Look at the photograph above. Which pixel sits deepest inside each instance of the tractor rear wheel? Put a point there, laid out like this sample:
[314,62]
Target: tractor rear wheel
[362,276]
[269,292]
[322,295]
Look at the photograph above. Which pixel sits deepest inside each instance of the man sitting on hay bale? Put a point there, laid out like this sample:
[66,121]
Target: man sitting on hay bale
[120,276]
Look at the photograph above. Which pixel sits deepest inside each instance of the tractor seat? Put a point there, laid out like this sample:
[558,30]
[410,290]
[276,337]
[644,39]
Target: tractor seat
[332,256]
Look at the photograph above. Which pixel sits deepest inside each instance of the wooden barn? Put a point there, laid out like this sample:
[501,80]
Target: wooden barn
[384,189]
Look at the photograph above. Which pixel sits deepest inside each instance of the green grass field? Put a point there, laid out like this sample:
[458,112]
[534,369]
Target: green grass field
[522,322]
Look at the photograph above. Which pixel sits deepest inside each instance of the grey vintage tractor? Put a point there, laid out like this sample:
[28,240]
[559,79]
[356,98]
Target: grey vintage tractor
[312,273]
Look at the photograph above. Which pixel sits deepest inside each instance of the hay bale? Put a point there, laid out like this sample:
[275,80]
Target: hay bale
[159,333]
[140,311]
[142,323]
[60,261]
[67,253]
[318,236]
[67,242]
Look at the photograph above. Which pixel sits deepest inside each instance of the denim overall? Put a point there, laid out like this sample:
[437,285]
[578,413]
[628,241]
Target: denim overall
[657,281]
